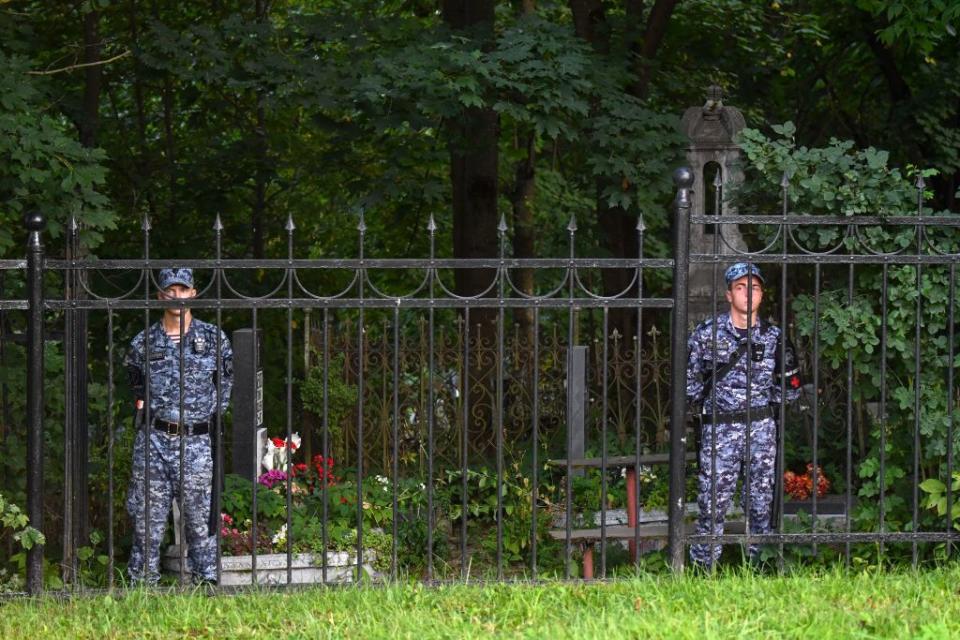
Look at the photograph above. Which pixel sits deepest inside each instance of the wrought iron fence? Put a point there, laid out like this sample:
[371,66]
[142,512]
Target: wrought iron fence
[454,413]
[470,403]
[871,301]
[479,434]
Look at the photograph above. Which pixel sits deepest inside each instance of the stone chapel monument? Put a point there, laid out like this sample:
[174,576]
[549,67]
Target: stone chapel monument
[713,157]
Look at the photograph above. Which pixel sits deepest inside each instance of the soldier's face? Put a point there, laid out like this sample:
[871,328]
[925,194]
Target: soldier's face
[176,292]
[739,292]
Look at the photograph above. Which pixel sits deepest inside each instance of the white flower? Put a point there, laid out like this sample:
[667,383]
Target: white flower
[280,537]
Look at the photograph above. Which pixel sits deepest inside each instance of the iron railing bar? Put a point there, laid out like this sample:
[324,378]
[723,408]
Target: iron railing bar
[370,303]
[256,465]
[683,178]
[884,281]
[350,264]
[147,408]
[638,388]
[464,451]
[568,479]
[35,223]
[826,258]
[324,471]
[753,320]
[217,438]
[916,415]
[800,219]
[361,350]
[780,465]
[431,409]
[827,538]
[110,444]
[848,472]
[69,400]
[816,386]
[395,437]
[501,320]
[951,322]
[289,390]
[535,443]
[603,444]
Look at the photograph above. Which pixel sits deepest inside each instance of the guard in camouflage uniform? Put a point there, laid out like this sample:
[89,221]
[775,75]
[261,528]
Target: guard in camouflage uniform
[155,355]
[743,341]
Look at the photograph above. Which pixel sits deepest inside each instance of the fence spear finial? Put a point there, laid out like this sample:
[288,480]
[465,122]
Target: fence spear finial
[145,223]
[572,226]
[362,225]
[432,225]
[290,225]
[785,179]
[641,226]
[502,226]
[217,224]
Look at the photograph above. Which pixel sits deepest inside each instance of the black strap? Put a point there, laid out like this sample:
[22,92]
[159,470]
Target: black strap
[723,371]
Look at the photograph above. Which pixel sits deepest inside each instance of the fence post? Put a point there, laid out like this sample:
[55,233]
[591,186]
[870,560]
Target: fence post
[35,223]
[683,178]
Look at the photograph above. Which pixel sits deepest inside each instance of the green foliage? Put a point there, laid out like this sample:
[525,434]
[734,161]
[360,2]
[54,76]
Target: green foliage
[922,24]
[12,518]
[936,498]
[42,166]
[841,179]
[837,179]
[515,503]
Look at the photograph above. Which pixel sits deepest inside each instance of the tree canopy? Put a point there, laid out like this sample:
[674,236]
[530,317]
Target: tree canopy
[466,110]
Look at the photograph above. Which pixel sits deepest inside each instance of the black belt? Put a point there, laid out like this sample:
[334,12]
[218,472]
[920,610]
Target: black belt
[756,413]
[177,429]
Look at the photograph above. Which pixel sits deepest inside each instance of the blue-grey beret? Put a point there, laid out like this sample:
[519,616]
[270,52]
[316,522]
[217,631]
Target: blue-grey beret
[739,270]
[169,277]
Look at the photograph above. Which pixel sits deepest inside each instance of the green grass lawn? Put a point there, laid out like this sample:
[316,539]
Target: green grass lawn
[825,604]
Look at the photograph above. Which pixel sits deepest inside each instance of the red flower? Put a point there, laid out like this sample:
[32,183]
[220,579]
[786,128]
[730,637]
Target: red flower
[343,500]
[799,487]
[278,442]
[795,382]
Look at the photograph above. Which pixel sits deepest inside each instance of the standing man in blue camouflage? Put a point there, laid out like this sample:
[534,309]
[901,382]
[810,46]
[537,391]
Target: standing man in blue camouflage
[177,352]
[735,365]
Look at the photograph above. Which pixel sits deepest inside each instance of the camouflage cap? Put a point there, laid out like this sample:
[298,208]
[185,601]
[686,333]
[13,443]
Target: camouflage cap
[170,277]
[741,269]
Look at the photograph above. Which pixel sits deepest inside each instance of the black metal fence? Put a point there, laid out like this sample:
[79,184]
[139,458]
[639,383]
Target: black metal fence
[471,440]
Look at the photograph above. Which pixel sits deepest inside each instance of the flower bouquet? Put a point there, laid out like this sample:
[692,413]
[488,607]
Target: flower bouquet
[800,487]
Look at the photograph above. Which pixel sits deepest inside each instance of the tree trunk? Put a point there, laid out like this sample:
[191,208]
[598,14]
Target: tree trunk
[619,237]
[142,162]
[92,80]
[258,213]
[521,195]
[524,235]
[652,37]
[474,161]
[473,144]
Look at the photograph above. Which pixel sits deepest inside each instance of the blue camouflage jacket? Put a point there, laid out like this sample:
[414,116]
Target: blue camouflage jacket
[200,372]
[762,356]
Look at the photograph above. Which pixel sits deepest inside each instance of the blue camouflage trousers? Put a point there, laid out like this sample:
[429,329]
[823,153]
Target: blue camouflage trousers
[164,487]
[731,458]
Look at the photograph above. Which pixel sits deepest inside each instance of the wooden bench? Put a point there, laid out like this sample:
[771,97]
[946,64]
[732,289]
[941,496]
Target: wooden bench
[587,537]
